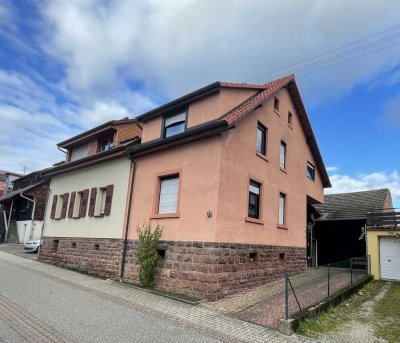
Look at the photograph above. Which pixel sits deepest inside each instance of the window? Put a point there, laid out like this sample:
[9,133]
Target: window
[174,124]
[282,210]
[261,139]
[77,205]
[290,118]
[276,104]
[282,155]
[169,188]
[59,206]
[103,199]
[254,200]
[310,171]
[106,143]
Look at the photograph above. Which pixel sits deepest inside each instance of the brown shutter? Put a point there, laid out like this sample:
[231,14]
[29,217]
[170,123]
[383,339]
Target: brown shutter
[92,203]
[53,207]
[71,205]
[64,205]
[109,195]
[84,202]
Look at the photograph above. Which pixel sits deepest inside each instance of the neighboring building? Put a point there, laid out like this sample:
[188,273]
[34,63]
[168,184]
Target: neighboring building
[343,217]
[87,203]
[230,171]
[383,243]
[6,181]
[24,208]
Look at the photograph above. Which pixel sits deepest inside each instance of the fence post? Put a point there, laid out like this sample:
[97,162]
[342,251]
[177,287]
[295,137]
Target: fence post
[351,272]
[286,297]
[328,283]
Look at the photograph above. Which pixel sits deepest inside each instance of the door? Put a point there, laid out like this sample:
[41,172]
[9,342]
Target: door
[389,249]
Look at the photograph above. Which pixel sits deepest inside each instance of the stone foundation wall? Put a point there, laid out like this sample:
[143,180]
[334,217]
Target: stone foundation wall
[207,270]
[97,255]
[211,270]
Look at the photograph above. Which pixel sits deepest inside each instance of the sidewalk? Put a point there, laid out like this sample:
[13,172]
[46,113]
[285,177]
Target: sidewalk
[200,318]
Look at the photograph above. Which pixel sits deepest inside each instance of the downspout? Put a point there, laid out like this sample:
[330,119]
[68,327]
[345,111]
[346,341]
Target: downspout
[32,214]
[125,241]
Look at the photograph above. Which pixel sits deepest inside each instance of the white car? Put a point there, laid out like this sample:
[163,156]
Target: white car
[32,245]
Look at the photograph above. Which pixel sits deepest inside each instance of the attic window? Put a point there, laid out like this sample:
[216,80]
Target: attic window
[106,143]
[174,124]
[290,118]
[310,171]
[276,104]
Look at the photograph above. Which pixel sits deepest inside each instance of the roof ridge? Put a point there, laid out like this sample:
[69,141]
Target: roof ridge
[369,190]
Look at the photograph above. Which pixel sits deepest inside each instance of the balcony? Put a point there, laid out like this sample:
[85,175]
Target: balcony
[387,218]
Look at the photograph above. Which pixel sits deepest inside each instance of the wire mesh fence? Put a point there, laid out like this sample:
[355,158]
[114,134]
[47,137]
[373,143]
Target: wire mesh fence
[319,284]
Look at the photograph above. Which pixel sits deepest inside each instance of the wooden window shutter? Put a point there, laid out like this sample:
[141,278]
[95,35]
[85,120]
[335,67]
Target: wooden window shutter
[92,202]
[64,205]
[84,202]
[71,205]
[53,207]
[109,195]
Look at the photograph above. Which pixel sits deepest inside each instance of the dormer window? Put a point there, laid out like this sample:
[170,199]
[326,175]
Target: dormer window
[174,124]
[106,143]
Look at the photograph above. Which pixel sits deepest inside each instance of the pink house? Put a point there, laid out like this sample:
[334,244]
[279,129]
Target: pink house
[230,172]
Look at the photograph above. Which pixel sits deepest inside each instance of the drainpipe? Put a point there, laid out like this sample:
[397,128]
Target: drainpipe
[44,219]
[32,214]
[130,201]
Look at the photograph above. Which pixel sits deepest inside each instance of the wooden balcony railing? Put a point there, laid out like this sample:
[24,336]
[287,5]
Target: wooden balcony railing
[388,217]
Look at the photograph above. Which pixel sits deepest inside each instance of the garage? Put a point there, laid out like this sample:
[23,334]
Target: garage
[389,248]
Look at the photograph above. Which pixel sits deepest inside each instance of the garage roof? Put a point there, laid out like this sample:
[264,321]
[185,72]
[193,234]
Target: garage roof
[355,205]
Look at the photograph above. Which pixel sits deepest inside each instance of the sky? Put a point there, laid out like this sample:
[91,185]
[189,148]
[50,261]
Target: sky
[66,66]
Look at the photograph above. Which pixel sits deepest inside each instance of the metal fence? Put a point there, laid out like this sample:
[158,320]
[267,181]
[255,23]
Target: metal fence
[321,283]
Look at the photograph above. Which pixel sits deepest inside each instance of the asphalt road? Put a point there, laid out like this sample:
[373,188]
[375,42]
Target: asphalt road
[77,315]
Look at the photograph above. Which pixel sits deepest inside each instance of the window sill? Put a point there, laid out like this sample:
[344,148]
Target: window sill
[290,126]
[283,227]
[99,215]
[276,112]
[57,218]
[76,217]
[283,170]
[164,215]
[254,220]
[313,180]
[260,155]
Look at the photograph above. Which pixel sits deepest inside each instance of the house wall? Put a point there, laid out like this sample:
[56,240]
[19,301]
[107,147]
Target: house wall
[373,237]
[28,230]
[199,164]
[240,163]
[201,111]
[115,173]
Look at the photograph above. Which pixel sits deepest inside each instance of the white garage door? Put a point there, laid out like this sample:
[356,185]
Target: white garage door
[390,258]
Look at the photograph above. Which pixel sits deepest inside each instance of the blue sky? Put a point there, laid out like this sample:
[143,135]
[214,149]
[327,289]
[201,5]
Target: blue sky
[66,66]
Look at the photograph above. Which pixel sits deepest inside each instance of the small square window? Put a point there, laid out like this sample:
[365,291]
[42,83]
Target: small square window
[290,118]
[282,256]
[174,124]
[276,104]
[254,200]
[261,139]
[253,256]
[74,245]
[106,143]
[96,247]
[55,244]
[310,171]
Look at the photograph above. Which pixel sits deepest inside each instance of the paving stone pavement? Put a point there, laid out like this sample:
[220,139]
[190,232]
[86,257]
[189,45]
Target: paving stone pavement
[210,322]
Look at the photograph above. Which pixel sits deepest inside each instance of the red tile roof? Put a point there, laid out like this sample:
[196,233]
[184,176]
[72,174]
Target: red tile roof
[255,100]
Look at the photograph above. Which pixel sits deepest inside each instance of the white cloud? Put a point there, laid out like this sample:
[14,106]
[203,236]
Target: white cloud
[363,182]
[332,169]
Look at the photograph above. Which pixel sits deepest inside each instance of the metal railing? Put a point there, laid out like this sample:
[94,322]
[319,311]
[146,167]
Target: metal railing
[321,283]
[387,217]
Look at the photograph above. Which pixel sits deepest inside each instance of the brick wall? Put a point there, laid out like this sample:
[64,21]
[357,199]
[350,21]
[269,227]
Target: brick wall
[40,194]
[206,270]
[211,270]
[101,256]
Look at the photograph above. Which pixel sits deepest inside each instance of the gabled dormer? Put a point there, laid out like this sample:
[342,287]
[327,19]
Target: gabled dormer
[100,139]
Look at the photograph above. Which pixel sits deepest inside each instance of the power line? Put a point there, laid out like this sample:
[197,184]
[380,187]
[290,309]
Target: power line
[368,45]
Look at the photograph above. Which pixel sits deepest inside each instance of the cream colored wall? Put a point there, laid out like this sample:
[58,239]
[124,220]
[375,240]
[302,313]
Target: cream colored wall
[373,250]
[201,111]
[114,172]
[239,162]
[200,165]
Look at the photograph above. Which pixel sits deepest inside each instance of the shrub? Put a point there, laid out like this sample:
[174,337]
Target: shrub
[147,253]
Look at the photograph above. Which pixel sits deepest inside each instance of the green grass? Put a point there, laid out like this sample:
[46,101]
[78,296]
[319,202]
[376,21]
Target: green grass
[387,312]
[336,317]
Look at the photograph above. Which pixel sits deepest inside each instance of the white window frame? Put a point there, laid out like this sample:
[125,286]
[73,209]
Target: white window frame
[283,155]
[282,209]
[165,182]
